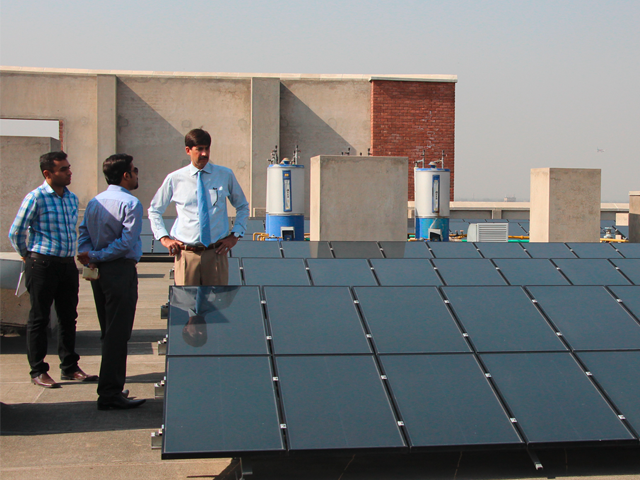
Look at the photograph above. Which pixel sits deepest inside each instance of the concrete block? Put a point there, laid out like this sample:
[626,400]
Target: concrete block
[634,217]
[565,205]
[358,198]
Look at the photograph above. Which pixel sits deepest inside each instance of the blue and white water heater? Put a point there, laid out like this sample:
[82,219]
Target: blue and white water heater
[432,202]
[285,200]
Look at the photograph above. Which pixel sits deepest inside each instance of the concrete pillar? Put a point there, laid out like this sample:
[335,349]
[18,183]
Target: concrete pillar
[565,205]
[358,198]
[634,217]
[106,124]
[265,135]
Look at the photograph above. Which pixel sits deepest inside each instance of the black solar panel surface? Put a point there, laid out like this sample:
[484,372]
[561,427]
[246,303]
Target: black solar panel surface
[275,271]
[405,250]
[356,250]
[501,250]
[629,250]
[306,250]
[549,250]
[352,271]
[530,271]
[453,250]
[630,267]
[590,271]
[468,271]
[593,250]
[267,249]
[405,271]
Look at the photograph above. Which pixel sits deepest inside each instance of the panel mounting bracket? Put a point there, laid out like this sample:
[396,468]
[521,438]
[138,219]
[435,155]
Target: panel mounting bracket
[534,458]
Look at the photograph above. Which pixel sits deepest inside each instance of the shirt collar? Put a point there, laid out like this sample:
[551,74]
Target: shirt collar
[207,168]
[117,188]
[47,188]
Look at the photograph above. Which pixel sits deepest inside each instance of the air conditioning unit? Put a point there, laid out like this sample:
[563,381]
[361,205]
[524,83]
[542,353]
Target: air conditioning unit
[488,232]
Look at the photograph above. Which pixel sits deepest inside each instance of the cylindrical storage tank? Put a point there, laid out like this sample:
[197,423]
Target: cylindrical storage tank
[432,202]
[285,201]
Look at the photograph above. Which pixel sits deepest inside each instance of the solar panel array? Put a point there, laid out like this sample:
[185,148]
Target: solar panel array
[409,349]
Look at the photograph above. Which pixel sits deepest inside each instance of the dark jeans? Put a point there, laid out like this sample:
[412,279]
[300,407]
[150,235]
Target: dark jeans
[116,296]
[46,281]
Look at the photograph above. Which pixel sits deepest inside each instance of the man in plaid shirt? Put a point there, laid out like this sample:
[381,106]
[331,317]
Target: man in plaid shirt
[49,215]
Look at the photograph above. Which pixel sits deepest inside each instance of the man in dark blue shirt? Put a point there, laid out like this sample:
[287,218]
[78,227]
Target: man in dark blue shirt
[110,241]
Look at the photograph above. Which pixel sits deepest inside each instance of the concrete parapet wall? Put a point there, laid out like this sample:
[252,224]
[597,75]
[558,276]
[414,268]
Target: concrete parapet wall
[358,198]
[565,205]
[20,173]
[634,217]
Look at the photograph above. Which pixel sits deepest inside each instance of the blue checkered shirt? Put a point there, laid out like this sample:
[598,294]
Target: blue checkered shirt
[49,220]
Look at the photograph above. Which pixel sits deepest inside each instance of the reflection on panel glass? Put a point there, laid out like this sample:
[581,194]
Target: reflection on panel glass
[336,402]
[630,295]
[593,250]
[501,319]
[549,250]
[356,250]
[552,399]
[306,250]
[453,250]
[588,317]
[405,250]
[409,320]
[618,373]
[405,271]
[328,272]
[532,271]
[215,406]
[501,250]
[468,271]
[590,271]
[257,249]
[275,271]
[216,321]
[446,400]
[630,267]
[629,250]
[308,320]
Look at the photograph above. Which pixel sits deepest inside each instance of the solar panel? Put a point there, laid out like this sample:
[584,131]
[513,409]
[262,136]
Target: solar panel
[622,230]
[327,272]
[409,320]
[516,230]
[532,271]
[501,250]
[275,271]
[270,249]
[502,319]
[306,250]
[445,400]
[159,248]
[216,321]
[147,243]
[629,250]
[630,267]
[308,320]
[457,225]
[552,399]
[356,250]
[405,250]
[234,271]
[593,250]
[453,250]
[146,227]
[254,225]
[588,317]
[336,402]
[590,271]
[405,271]
[468,271]
[218,406]
[549,250]
[630,296]
[618,373]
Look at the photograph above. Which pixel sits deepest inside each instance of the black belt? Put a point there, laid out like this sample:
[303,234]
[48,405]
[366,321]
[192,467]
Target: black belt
[51,258]
[197,248]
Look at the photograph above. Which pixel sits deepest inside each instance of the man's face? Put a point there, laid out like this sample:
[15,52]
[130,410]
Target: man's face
[199,155]
[134,177]
[61,175]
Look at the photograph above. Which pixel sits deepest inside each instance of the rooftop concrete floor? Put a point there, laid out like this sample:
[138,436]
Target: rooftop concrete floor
[59,434]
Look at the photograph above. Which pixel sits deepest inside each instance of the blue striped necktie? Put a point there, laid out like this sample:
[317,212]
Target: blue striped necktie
[203,211]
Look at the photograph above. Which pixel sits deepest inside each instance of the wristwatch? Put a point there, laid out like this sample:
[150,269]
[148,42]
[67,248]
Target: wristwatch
[237,235]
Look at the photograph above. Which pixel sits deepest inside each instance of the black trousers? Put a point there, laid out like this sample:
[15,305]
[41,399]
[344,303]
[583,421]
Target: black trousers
[116,296]
[48,280]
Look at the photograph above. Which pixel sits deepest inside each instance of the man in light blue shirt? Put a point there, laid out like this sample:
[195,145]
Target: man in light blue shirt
[110,241]
[200,250]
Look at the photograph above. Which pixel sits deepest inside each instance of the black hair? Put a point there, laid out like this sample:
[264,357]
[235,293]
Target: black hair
[196,137]
[47,161]
[115,167]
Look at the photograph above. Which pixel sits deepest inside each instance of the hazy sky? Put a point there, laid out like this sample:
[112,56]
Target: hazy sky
[540,83]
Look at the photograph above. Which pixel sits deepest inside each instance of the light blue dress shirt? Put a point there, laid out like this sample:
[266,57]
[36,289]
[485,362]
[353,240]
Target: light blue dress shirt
[111,226]
[181,188]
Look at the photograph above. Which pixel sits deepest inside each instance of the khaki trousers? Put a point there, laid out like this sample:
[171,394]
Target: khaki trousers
[201,268]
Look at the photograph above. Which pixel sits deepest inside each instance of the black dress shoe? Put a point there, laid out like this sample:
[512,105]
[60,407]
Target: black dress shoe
[79,376]
[118,403]
[125,393]
[44,380]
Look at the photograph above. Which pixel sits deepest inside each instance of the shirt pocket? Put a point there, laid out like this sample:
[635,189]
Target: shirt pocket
[213,196]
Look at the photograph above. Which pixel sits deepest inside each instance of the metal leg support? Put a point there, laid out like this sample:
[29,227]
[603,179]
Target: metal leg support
[534,458]
[244,468]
